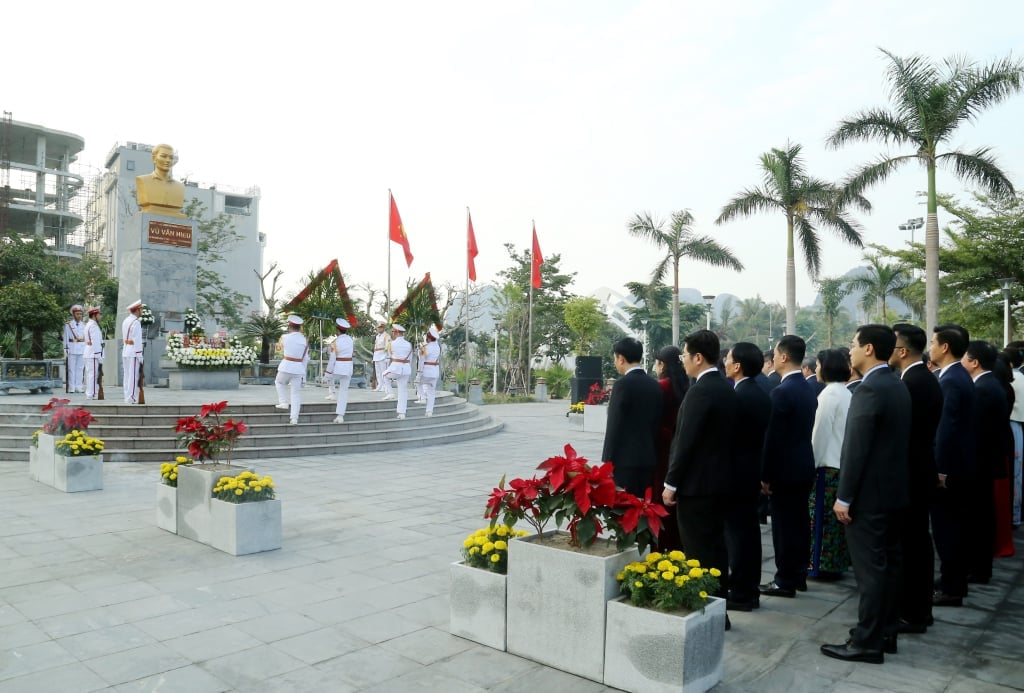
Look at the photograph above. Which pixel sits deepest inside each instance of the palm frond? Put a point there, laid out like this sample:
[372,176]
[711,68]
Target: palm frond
[709,251]
[748,203]
[872,125]
[810,244]
[981,88]
[839,223]
[645,225]
[659,271]
[980,167]
[859,181]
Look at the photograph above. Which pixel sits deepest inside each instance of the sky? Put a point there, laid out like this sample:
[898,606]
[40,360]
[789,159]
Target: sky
[574,115]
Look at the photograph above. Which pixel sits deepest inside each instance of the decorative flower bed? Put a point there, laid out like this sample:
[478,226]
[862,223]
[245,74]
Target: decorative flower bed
[200,355]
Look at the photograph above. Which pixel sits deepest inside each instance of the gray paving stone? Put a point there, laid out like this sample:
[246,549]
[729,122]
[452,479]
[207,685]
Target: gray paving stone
[368,666]
[278,626]
[247,670]
[79,622]
[66,678]
[213,643]
[104,641]
[28,659]
[136,663]
[190,679]
[428,645]
[21,634]
[321,645]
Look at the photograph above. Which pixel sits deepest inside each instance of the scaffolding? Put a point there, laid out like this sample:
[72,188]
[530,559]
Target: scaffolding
[5,171]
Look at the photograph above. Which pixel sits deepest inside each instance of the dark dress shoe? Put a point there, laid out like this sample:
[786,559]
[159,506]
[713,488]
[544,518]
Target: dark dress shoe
[741,604]
[889,645]
[771,589]
[802,587]
[905,626]
[940,598]
[848,652]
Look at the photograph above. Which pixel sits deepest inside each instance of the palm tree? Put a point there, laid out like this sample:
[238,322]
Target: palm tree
[832,291]
[806,203]
[880,281]
[677,242]
[929,103]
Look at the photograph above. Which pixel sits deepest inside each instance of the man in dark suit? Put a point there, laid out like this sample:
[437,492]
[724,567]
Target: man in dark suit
[701,458]
[809,369]
[634,413]
[915,603]
[787,469]
[742,529]
[954,464]
[873,491]
[993,445]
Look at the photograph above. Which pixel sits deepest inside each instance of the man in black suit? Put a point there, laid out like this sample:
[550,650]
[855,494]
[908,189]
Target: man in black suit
[993,444]
[787,469]
[810,371]
[954,464]
[742,529]
[915,603]
[701,457]
[873,491]
[634,413]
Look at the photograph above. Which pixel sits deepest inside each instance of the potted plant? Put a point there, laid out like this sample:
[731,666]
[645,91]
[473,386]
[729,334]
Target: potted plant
[478,586]
[560,582]
[245,515]
[595,409]
[201,365]
[167,494]
[78,464]
[666,633]
[43,461]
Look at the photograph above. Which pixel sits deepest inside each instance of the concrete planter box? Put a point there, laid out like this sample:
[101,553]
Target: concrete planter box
[45,456]
[33,463]
[595,418]
[195,491]
[557,603]
[244,528]
[576,420]
[75,474]
[199,379]
[167,508]
[657,652]
[478,605]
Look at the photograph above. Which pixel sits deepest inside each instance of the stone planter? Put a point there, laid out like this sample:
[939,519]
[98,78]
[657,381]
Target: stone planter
[595,418]
[648,650]
[478,605]
[201,379]
[75,474]
[576,420]
[194,496]
[244,528]
[557,603]
[33,463]
[167,508]
[45,458]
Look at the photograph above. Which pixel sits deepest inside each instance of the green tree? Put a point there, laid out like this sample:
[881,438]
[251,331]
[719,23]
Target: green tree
[584,319]
[653,305]
[807,204]
[266,328]
[26,306]
[879,281]
[832,291]
[929,103]
[216,235]
[679,241]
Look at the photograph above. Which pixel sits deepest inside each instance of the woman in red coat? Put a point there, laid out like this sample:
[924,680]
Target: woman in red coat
[674,384]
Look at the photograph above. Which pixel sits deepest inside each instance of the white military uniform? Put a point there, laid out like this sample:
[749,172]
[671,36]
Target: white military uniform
[341,371]
[400,370]
[421,352]
[74,349]
[131,357]
[93,357]
[292,370]
[381,350]
[431,372]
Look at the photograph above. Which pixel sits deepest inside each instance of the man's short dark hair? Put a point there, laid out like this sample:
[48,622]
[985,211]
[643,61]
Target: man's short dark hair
[953,336]
[793,346]
[705,343]
[835,365]
[630,349]
[913,336]
[749,357]
[984,353]
[881,337]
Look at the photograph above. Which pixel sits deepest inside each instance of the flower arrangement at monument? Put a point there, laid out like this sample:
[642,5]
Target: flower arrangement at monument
[193,323]
[585,495]
[207,436]
[247,487]
[76,444]
[169,470]
[63,418]
[199,355]
[487,548]
[668,582]
[146,317]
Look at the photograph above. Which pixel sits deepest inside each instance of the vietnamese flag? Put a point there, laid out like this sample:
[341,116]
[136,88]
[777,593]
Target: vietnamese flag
[537,258]
[397,231]
[471,251]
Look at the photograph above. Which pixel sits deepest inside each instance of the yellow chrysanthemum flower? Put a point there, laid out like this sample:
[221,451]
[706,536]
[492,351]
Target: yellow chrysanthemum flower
[693,563]
[173,477]
[715,572]
[680,581]
[468,543]
[667,575]
[239,492]
[703,594]
[677,556]
[495,558]
[488,547]
[653,557]
[638,584]
[620,577]
[474,551]
[501,545]
[696,572]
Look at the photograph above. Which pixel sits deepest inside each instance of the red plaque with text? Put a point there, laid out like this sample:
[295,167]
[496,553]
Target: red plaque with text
[165,233]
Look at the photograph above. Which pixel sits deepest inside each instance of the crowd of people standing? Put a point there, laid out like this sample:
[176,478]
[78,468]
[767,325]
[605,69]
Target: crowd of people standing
[872,459]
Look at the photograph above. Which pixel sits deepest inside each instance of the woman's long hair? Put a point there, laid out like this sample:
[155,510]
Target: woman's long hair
[669,356]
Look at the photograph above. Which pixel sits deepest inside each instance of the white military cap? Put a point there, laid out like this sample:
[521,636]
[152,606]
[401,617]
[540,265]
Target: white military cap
[343,323]
[136,304]
[77,307]
[397,328]
[433,332]
[294,319]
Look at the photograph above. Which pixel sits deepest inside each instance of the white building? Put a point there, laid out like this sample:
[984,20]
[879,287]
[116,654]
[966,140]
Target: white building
[114,202]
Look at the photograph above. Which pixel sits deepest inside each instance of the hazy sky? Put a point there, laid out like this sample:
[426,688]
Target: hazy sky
[574,114]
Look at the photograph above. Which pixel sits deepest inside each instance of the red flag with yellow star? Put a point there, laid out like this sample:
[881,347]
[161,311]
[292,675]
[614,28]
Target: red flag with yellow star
[397,232]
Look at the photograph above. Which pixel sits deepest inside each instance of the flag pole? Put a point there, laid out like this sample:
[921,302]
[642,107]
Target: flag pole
[529,329]
[387,296]
[468,259]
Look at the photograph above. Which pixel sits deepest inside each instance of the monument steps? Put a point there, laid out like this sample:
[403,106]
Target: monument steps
[146,434]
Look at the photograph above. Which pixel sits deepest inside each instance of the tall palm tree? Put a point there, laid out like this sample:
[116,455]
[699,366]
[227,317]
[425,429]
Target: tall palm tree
[880,281]
[679,241]
[807,203]
[929,103]
[832,291]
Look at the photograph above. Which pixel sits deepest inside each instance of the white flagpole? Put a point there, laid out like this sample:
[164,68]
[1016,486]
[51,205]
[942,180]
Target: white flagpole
[466,351]
[529,329]
[387,296]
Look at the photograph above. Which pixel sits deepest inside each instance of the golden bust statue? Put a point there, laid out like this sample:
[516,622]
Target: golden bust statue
[157,192]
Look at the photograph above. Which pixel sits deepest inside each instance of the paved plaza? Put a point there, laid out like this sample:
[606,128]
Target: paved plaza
[93,597]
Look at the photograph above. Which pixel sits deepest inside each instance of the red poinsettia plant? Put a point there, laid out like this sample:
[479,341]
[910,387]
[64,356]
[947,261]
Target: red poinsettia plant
[598,394]
[206,435]
[585,495]
[64,418]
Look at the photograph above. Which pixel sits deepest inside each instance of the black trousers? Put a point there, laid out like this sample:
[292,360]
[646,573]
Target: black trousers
[636,480]
[981,529]
[743,543]
[915,594]
[701,522]
[790,534]
[950,518]
[873,540]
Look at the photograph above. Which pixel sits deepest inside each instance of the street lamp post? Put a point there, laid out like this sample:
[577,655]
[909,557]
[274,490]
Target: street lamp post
[912,225]
[643,324]
[708,300]
[1006,283]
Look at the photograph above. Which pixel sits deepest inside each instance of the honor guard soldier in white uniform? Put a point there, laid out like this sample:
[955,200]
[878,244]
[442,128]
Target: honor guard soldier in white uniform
[381,351]
[332,354]
[131,352]
[93,355]
[74,350]
[400,370]
[292,369]
[431,368]
[340,370]
[418,380]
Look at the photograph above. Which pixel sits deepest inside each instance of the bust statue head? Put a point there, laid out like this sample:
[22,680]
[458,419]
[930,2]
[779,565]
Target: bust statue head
[157,192]
[163,160]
